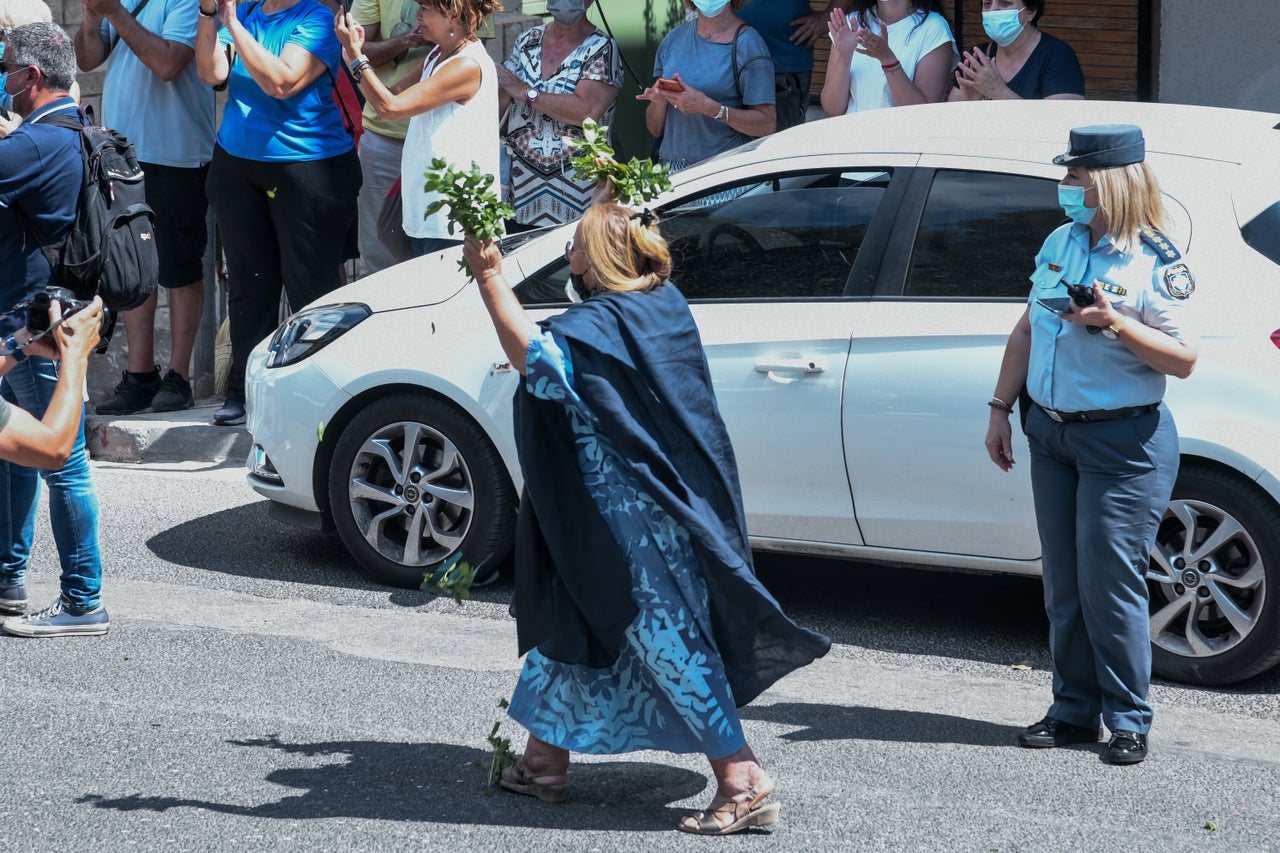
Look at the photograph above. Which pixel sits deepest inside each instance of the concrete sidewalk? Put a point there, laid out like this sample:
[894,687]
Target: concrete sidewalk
[189,436]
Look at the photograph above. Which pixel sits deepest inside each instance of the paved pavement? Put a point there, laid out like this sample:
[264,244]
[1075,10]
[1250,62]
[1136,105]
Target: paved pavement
[189,436]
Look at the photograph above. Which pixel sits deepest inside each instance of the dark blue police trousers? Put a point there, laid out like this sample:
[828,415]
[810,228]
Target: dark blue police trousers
[1100,491]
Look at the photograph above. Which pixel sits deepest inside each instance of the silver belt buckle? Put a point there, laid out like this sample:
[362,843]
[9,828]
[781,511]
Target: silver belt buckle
[1054,415]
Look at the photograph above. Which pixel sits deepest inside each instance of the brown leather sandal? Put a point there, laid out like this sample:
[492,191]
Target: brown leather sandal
[515,777]
[743,811]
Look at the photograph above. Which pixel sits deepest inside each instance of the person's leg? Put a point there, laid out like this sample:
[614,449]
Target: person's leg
[186,307]
[237,191]
[380,165]
[742,789]
[313,207]
[1125,487]
[141,380]
[180,194]
[19,491]
[1054,483]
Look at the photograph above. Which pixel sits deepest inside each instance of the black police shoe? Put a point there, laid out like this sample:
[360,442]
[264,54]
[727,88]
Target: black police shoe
[1126,747]
[1051,732]
[133,394]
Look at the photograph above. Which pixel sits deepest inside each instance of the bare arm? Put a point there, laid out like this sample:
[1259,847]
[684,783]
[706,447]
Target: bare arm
[280,76]
[91,50]
[809,28]
[835,88]
[211,57]
[929,83]
[1013,375]
[165,58]
[752,119]
[590,99]
[655,113]
[512,324]
[1158,350]
[382,51]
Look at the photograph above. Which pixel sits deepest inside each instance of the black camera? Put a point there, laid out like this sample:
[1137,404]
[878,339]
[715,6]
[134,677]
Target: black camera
[1081,294]
[36,311]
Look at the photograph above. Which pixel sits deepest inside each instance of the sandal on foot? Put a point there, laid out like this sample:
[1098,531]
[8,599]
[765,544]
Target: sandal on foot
[746,810]
[515,777]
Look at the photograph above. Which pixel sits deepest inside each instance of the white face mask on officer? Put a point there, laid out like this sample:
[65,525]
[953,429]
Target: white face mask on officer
[567,12]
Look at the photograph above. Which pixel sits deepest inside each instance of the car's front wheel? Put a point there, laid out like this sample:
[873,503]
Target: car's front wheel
[1214,580]
[415,481]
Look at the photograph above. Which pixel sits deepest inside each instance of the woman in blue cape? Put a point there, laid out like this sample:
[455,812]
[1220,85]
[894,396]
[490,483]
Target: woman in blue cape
[636,601]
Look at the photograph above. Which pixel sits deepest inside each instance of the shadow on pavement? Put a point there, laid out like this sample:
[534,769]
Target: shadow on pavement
[817,722]
[439,783]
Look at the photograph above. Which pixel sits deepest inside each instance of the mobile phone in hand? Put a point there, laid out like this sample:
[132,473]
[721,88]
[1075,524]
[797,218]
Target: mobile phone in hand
[1056,304]
[669,85]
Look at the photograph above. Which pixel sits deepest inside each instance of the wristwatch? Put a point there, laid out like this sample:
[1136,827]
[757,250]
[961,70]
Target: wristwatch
[1111,332]
[530,96]
[14,348]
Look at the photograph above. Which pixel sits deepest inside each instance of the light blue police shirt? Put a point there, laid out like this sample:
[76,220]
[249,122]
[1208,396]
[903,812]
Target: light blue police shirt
[170,124]
[1073,371]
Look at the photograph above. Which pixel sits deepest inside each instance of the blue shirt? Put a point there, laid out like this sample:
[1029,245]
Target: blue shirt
[708,67]
[1074,371]
[306,126]
[170,124]
[41,170]
[772,20]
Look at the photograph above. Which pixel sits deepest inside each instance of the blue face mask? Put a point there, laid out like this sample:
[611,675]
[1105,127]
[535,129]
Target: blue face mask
[710,8]
[1072,201]
[6,100]
[1003,27]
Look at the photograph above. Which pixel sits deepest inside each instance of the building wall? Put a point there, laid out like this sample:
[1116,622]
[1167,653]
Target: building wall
[1223,57]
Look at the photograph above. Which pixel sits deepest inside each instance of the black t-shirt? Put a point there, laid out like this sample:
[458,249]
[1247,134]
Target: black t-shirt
[1051,69]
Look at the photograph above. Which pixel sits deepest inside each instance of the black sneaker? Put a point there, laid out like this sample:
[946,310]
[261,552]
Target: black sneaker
[174,394]
[231,413]
[133,394]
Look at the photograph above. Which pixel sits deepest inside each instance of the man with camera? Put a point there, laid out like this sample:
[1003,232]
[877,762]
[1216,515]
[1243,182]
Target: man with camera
[41,172]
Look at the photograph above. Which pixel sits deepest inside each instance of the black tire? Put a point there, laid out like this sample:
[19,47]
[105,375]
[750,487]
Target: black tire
[1215,619]
[451,500]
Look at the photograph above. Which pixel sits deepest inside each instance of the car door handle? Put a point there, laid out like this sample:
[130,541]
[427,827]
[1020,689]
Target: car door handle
[792,365]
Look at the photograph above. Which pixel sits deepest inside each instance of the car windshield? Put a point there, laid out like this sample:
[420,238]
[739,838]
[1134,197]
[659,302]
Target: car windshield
[1262,233]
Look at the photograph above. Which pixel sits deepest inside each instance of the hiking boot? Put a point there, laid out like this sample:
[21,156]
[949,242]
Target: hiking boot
[59,620]
[13,599]
[133,394]
[231,413]
[174,394]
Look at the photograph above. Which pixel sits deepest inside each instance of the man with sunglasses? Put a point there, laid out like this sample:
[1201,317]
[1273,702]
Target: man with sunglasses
[41,172]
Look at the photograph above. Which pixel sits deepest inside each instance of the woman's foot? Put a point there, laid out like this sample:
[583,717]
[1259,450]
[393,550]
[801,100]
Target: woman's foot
[734,814]
[540,772]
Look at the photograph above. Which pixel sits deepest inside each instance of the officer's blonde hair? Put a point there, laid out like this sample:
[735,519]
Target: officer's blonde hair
[1129,197]
[624,251]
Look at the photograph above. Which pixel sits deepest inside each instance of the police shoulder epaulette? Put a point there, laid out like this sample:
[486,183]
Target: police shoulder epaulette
[1160,244]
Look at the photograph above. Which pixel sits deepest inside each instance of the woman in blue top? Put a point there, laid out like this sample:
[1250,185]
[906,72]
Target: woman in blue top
[643,621]
[284,177]
[1020,61]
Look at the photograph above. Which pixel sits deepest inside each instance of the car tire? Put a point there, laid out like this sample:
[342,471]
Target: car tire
[1214,580]
[401,519]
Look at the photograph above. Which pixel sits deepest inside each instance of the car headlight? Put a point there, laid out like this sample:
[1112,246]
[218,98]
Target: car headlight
[310,331]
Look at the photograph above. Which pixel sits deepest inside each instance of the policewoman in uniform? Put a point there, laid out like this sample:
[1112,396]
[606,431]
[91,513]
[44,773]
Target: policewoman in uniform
[1104,449]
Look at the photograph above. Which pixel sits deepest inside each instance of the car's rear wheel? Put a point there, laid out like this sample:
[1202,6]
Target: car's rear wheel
[415,481]
[1215,580]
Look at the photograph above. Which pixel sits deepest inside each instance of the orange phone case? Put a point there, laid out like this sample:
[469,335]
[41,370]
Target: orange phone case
[669,85]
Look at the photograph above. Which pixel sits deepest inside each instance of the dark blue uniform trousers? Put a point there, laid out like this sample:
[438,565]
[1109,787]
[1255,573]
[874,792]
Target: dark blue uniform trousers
[1100,491]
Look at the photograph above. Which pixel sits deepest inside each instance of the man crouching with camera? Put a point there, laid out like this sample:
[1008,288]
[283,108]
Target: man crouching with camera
[41,172]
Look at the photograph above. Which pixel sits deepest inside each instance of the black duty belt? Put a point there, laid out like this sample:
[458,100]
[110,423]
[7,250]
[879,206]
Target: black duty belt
[1095,415]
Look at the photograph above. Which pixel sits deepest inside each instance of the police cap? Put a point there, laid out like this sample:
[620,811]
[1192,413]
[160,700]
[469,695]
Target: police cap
[1103,146]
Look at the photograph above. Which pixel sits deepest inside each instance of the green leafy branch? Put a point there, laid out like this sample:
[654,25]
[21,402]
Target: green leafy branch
[453,577]
[633,182]
[502,755]
[473,205]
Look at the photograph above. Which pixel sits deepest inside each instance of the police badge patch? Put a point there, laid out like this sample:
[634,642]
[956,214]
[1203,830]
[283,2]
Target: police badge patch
[1179,281]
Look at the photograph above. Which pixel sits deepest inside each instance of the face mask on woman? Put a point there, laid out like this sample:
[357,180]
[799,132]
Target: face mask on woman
[567,12]
[1003,27]
[710,8]
[1072,201]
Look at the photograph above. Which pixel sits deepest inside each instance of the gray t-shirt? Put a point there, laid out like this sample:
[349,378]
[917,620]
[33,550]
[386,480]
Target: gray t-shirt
[708,67]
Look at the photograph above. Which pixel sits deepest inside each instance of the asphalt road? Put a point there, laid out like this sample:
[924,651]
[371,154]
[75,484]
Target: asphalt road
[255,693]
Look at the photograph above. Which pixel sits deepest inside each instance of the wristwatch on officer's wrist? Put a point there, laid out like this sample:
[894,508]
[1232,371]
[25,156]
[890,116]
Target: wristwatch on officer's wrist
[1112,331]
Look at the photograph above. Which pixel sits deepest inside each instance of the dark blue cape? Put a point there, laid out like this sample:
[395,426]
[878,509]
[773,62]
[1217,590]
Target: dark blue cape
[639,366]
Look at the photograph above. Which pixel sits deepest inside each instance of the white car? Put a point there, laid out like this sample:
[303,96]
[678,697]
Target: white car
[854,293]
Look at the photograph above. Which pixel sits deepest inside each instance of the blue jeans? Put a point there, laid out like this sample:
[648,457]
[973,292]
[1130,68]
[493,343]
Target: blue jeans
[73,499]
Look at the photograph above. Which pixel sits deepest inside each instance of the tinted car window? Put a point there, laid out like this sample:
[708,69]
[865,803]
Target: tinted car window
[1262,233]
[980,233]
[793,236]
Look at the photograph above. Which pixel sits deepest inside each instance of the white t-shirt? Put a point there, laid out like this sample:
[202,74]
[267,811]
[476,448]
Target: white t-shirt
[460,133]
[868,84]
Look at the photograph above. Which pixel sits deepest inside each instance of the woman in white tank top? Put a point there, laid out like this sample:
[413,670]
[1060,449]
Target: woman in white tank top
[452,106]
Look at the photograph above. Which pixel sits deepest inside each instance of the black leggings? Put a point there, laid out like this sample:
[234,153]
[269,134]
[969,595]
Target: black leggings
[282,225]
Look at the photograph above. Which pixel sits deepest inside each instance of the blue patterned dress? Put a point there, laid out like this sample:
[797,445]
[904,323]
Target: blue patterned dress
[667,689]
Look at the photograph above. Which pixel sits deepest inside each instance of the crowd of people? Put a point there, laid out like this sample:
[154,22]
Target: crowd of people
[638,611]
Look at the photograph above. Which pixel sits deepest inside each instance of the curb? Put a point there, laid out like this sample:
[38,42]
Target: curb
[187,436]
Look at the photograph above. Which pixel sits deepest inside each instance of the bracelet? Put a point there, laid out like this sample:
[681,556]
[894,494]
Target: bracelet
[212,14]
[722,115]
[14,350]
[358,61]
[892,66]
[997,403]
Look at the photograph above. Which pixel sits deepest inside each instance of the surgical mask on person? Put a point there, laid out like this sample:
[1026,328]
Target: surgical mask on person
[710,8]
[1072,201]
[1003,26]
[567,12]
[6,100]
[577,290]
